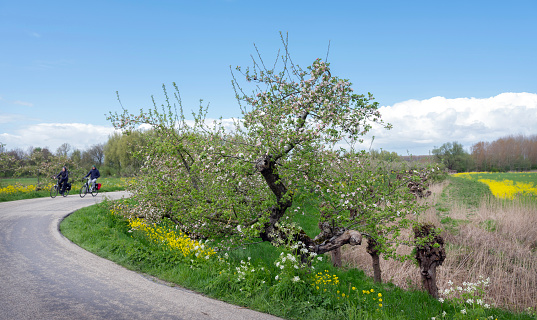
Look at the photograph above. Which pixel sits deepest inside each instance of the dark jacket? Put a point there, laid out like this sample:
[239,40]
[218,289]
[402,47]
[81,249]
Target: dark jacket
[63,176]
[94,173]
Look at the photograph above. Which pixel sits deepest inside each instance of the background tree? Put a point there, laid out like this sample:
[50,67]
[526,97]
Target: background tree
[120,152]
[508,153]
[63,150]
[96,154]
[76,156]
[384,155]
[40,163]
[453,156]
[8,162]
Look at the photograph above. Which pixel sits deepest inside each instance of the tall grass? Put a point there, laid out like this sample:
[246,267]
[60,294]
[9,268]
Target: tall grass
[486,237]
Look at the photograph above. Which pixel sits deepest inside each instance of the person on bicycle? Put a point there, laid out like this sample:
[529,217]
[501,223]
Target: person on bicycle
[94,174]
[63,178]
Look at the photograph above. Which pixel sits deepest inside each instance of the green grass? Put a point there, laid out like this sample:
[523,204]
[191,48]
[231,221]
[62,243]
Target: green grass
[23,181]
[468,192]
[107,235]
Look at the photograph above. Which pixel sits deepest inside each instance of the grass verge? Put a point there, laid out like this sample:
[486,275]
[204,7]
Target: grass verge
[248,276]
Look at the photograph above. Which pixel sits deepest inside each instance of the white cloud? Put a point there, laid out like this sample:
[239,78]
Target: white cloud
[52,135]
[419,126]
[23,103]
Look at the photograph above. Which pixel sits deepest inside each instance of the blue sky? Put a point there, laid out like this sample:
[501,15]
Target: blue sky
[443,71]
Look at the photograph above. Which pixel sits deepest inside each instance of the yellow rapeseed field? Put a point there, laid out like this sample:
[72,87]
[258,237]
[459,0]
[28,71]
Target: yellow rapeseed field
[505,185]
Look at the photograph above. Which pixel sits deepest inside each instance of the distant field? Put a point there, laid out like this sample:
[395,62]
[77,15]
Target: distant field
[22,181]
[506,185]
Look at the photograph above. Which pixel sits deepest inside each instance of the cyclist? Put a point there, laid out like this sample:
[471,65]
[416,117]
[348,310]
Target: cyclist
[63,178]
[94,174]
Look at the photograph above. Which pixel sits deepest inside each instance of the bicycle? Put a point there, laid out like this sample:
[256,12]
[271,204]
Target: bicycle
[94,190]
[55,189]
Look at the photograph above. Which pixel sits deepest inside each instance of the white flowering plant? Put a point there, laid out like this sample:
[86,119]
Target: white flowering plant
[466,301]
[245,276]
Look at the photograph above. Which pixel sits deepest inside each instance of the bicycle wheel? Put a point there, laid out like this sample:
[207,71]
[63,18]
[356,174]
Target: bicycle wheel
[94,190]
[66,193]
[54,191]
[83,190]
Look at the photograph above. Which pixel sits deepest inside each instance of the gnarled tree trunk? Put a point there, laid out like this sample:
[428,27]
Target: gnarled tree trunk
[325,242]
[430,254]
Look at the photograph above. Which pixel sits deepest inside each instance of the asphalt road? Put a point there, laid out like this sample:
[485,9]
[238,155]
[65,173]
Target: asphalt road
[45,276]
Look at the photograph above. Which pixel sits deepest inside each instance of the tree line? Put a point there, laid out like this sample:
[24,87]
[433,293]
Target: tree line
[116,157]
[510,153]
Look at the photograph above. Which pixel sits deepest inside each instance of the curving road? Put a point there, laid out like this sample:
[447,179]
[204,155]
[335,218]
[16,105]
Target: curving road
[45,276]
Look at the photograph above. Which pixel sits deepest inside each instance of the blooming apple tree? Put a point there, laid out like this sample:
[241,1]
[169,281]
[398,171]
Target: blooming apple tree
[239,184]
